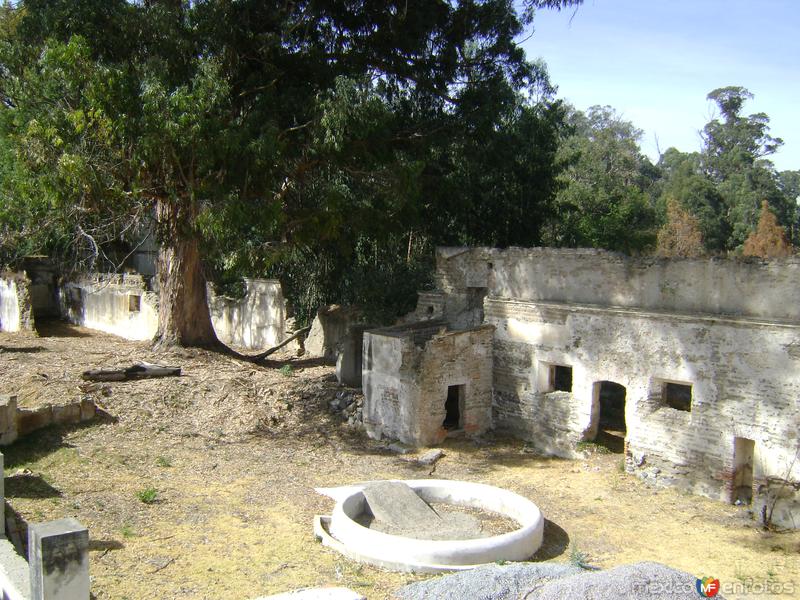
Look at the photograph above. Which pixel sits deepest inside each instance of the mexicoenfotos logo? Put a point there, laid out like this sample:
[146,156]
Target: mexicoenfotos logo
[708,587]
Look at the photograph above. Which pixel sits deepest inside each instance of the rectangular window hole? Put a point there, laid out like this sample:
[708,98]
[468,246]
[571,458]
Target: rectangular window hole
[134,303]
[677,395]
[560,378]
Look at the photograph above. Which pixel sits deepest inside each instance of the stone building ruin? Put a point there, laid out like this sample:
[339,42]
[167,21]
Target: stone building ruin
[688,366]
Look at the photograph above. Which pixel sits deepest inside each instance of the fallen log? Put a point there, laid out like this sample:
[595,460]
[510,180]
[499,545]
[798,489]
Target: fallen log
[137,371]
[266,353]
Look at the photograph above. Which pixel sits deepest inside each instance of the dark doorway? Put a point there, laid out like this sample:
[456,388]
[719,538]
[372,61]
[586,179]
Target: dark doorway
[611,420]
[452,407]
[743,453]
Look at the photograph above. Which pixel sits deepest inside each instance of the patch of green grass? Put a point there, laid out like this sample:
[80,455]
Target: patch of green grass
[578,558]
[286,371]
[621,465]
[127,531]
[148,495]
[163,461]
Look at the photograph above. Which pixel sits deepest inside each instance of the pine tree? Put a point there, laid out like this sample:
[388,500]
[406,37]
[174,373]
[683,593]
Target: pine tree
[769,238]
[680,236]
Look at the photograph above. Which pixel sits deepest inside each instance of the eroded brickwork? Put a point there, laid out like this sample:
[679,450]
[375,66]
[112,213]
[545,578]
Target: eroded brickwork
[408,372]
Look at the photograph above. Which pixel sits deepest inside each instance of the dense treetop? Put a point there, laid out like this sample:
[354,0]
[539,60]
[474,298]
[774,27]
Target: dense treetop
[333,144]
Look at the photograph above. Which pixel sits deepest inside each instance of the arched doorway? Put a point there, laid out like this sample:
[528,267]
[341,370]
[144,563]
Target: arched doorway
[611,428]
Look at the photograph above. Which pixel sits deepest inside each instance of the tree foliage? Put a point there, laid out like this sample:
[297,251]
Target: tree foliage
[769,238]
[680,236]
[259,135]
[602,200]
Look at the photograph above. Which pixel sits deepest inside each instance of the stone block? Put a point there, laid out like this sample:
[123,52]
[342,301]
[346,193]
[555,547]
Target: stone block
[58,553]
[328,328]
[88,410]
[397,505]
[64,415]
[31,420]
[8,420]
[349,357]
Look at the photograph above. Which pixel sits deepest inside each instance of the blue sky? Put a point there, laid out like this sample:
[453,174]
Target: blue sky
[656,60]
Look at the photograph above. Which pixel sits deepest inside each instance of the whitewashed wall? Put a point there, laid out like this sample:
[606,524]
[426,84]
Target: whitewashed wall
[107,302]
[16,313]
[257,321]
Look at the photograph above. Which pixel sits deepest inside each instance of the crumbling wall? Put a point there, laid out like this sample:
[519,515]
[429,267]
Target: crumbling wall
[117,304]
[407,373]
[728,328]
[16,310]
[330,329]
[256,321]
[736,287]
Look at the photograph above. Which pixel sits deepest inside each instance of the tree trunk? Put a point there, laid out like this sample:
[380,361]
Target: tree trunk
[183,315]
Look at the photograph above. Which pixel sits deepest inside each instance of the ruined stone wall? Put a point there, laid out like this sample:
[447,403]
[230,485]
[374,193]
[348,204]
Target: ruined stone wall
[16,310]
[407,372]
[739,287]
[116,304]
[122,305]
[728,328]
[256,321]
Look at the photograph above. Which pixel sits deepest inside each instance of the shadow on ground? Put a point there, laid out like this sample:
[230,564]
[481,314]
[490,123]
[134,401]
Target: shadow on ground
[29,485]
[59,329]
[44,442]
[23,349]
[554,543]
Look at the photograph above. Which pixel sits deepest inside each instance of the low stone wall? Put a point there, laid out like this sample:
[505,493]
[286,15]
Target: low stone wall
[409,372]
[117,304]
[257,321]
[122,305]
[16,310]
[16,422]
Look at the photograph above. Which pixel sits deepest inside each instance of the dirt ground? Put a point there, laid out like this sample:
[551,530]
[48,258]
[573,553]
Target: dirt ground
[202,486]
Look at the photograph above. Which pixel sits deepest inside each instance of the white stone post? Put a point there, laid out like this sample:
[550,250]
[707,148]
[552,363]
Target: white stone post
[58,553]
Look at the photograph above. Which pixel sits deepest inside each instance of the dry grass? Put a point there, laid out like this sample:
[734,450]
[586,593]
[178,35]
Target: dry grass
[234,451]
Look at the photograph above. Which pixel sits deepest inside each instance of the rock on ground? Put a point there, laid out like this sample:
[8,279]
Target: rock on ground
[550,581]
[646,580]
[430,457]
[338,593]
[491,582]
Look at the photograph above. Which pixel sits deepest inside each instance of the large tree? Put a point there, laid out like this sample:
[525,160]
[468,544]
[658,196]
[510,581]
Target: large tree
[285,120]
[602,201]
[734,157]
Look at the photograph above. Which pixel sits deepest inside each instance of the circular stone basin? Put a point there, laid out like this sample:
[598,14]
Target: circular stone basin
[342,532]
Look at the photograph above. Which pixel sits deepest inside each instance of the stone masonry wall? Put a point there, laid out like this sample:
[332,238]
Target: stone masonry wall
[116,304]
[728,328]
[407,372]
[256,321]
[738,287]
[122,305]
[16,311]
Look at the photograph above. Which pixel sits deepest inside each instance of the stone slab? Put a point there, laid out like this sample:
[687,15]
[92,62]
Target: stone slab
[430,457]
[398,506]
[59,560]
[14,575]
